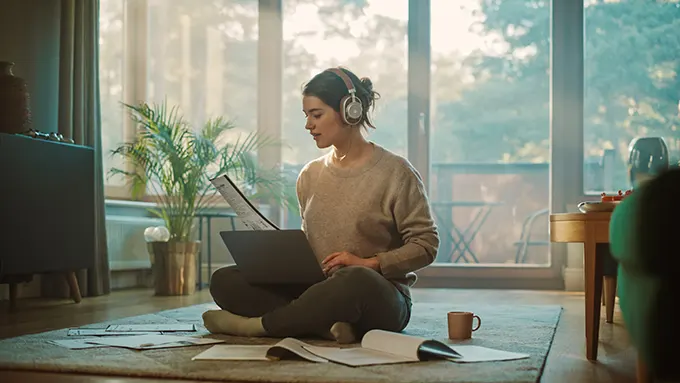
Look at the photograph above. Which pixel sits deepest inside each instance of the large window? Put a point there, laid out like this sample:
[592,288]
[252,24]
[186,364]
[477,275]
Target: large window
[483,97]
[198,56]
[490,130]
[632,79]
[202,57]
[111,73]
[369,38]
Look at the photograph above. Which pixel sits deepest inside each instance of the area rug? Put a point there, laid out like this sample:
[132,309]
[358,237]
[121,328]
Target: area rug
[525,329]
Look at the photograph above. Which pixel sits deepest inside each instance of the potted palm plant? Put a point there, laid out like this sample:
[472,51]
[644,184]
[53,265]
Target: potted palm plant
[175,162]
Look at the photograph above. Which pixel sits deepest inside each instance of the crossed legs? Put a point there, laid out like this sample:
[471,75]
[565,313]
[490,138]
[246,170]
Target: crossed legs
[352,301]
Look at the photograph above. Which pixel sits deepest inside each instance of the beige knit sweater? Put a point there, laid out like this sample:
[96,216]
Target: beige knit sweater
[379,209]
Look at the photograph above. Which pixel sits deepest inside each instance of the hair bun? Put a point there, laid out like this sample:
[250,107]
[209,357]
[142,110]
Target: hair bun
[368,94]
[367,84]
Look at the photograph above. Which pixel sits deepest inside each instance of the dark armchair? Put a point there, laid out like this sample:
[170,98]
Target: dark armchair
[645,240]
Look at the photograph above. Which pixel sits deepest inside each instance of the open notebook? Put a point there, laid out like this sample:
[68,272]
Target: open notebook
[288,348]
[377,347]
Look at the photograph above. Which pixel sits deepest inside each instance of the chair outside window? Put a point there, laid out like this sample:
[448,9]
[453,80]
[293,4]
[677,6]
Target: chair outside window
[525,240]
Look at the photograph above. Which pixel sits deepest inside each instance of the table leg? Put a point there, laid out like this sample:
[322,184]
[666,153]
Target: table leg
[458,242]
[593,292]
[209,252]
[448,241]
[484,214]
[200,254]
[609,297]
[469,234]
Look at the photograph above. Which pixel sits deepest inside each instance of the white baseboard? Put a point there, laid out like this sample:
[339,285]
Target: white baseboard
[131,279]
[125,240]
[572,273]
[573,279]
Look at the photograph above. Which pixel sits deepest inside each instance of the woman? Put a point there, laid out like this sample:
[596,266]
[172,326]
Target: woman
[367,217]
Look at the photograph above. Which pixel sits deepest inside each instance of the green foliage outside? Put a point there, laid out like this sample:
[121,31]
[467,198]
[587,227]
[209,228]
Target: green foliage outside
[489,106]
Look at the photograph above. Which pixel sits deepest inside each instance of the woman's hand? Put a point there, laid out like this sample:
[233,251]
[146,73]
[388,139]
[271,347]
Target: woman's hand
[343,258]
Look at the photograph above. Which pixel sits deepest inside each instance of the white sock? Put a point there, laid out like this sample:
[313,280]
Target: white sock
[224,322]
[343,332]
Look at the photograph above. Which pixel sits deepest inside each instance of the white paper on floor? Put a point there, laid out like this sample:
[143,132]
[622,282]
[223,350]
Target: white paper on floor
[147,342]
[76,344]
[163,327]
[105,332]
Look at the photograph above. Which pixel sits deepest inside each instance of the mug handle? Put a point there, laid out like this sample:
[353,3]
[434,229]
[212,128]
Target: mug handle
[479,322]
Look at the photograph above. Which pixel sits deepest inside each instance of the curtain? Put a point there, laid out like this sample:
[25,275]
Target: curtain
[80,119]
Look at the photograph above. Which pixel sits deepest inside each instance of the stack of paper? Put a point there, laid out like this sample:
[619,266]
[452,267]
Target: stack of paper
[138,337]
[147,342]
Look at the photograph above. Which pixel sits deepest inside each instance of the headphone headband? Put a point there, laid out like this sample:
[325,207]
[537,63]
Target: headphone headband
[348,82]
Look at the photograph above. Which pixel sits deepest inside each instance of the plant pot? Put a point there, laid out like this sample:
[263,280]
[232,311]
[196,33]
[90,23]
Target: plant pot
[15,113]
[174,267]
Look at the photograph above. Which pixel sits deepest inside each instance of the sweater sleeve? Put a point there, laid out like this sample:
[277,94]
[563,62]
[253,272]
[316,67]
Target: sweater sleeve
[415,224]
[300,189]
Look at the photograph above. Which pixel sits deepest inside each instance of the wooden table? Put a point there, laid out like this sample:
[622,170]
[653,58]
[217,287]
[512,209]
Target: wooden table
[589,229]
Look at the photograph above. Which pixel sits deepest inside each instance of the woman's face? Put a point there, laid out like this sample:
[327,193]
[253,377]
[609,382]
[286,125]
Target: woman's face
[323,123]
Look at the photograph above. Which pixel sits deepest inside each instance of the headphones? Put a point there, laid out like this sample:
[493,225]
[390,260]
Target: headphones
[351,109]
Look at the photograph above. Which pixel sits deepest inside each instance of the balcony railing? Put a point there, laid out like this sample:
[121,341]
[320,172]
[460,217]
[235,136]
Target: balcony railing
[492,213]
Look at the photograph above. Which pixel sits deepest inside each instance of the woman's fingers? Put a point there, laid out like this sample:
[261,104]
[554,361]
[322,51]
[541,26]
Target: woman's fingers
[331,257]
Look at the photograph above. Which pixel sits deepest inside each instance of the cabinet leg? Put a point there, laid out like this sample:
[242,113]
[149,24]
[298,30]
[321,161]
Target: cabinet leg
[73,286]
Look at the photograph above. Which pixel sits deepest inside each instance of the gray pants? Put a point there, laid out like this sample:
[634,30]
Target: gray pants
[354,294]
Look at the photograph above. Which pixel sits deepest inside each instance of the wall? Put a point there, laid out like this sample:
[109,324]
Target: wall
[29,37]
[29,31]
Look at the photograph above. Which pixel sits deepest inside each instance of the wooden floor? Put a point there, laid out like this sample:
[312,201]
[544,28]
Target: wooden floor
[566,361]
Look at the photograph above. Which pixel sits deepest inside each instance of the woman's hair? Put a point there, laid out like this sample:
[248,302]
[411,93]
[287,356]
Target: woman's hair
[330,89]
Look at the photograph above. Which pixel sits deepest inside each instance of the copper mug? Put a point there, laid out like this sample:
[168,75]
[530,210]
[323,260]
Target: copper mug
[460,324]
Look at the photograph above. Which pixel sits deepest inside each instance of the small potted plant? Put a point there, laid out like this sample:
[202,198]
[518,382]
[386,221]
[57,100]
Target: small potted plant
[175,163]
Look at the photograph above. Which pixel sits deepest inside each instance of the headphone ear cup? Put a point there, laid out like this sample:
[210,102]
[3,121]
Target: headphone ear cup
[352,110]
[343,110]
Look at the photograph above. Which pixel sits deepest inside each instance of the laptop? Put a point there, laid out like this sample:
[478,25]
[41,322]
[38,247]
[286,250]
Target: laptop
[274,256]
